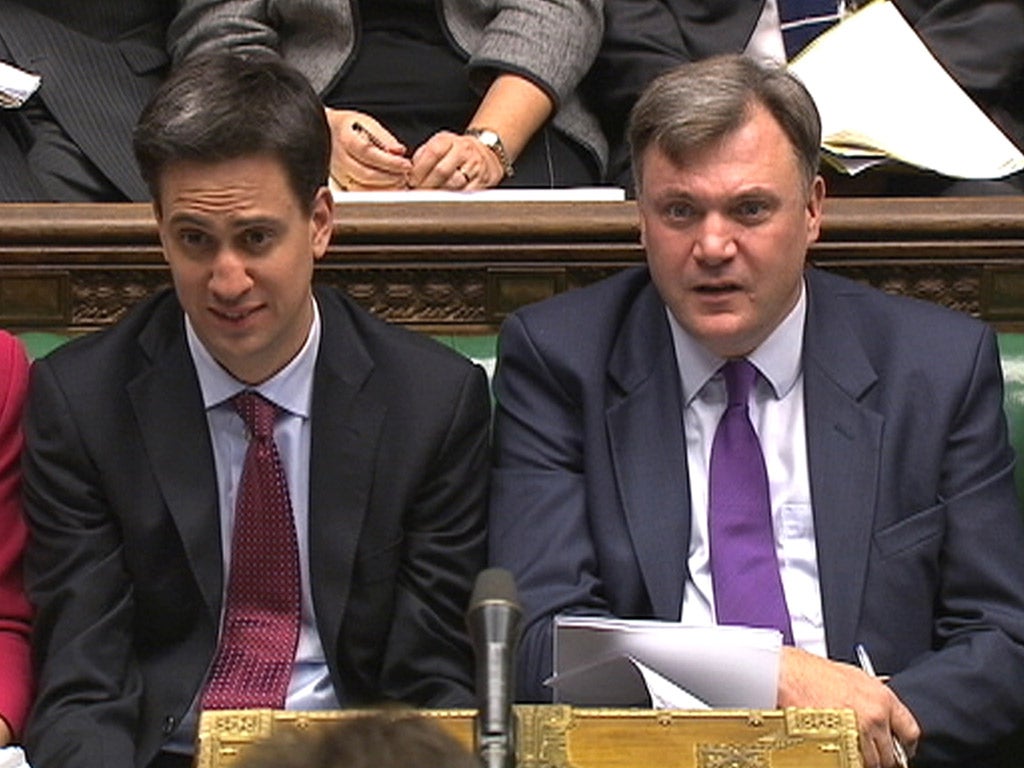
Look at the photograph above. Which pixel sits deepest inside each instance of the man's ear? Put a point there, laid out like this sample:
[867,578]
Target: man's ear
[815,207]
[321,221]
[158,214]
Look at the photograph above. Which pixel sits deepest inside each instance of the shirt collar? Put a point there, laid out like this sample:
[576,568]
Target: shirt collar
[778,358]
[290,389]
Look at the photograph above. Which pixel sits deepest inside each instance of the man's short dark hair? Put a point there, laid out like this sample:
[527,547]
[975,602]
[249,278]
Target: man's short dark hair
[400,740]
[695,105]
[223,107]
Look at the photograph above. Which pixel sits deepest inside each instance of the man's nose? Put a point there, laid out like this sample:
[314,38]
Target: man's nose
[230,278]
[716,239]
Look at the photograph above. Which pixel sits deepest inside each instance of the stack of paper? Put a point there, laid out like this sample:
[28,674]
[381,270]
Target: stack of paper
[617,662]
[882,95]
[16,86]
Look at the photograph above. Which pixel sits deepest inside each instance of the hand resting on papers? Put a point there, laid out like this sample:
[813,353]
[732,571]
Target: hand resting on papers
[806,680]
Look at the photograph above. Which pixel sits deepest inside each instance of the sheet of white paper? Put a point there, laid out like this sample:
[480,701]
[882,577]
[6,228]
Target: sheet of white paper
[12,757]
[621,681]
[16,86]
[665,694]
[522,194]
[877,85]
[724,666]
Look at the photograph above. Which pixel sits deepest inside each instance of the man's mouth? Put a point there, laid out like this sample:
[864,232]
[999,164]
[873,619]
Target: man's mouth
[713,289]
[234,315]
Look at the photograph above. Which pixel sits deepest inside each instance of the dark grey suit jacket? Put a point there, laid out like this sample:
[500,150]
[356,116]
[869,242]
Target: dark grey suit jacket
[125,563]
[919,532]
[980,43]
[100,62]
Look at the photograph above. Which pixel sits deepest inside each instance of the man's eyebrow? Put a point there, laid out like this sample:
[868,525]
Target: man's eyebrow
[239,223]
[247,222]
[186,218]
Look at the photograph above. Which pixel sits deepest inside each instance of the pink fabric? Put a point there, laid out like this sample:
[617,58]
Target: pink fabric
[15,612]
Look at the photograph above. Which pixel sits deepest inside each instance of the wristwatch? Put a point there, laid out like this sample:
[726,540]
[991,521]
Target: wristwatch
[492,141]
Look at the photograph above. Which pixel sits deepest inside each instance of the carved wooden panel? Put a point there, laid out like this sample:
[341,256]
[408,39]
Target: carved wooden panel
[463,266]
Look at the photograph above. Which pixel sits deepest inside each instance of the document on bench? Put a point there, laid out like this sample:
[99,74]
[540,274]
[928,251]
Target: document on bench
[882,95]
[619,662]
[513,194]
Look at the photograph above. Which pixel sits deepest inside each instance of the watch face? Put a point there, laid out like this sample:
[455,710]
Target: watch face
[492,141]
[490,138]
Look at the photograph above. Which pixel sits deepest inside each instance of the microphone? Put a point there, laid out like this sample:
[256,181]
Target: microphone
[494,619]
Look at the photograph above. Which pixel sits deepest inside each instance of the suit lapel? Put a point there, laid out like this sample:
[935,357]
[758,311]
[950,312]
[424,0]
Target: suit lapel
[169,408]
[346,423]
[645,434]
[843,446]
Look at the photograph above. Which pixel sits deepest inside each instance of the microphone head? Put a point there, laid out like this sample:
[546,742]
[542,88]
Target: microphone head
[494,585]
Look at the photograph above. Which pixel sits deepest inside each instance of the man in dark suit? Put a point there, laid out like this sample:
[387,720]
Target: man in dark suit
[890,506]
[100,63]
[980,43]
[134,459]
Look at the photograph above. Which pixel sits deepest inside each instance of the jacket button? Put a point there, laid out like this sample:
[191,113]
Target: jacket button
[170,724]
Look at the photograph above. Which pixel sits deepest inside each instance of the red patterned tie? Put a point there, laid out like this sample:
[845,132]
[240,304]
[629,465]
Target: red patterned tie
[261,621]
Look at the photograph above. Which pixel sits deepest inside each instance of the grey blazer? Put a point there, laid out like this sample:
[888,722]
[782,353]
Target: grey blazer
[552,42]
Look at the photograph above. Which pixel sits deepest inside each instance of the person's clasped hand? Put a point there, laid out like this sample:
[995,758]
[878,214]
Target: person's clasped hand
[449,160]
[806,680]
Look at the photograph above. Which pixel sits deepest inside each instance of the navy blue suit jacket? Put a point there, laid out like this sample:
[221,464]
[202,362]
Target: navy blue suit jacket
[919,535]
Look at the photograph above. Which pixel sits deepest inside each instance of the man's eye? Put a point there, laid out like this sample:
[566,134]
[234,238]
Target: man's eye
[257,239]
[679,211]
[752,209]
[193,238]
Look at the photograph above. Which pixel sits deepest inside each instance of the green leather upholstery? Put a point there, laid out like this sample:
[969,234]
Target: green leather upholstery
[40,343]
[1011,349]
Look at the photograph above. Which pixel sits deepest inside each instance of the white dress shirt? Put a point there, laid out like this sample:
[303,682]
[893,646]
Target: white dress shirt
[777,414]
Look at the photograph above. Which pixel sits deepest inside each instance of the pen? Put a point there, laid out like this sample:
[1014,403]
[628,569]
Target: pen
[373,139]
[865,664]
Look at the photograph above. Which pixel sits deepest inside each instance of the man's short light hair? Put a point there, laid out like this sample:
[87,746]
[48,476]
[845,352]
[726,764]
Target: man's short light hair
[695,105]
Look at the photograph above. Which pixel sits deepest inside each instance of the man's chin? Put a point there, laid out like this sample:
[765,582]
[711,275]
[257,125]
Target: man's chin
[725,336]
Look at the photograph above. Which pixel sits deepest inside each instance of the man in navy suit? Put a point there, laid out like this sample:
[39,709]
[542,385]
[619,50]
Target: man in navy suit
[892,506]
[100,62]
[134,453]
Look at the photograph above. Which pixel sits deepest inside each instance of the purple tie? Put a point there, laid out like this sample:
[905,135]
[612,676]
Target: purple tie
[744,568]
[254,660]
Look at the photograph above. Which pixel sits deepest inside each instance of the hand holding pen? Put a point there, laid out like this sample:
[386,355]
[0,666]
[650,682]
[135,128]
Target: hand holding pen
[364,156]
[809,680]
[865,664]
[376,141]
